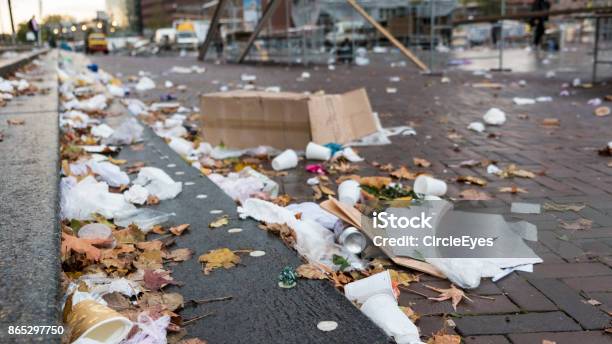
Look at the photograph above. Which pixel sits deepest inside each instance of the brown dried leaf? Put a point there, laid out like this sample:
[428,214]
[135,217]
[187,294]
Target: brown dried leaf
[84,246]
[472,180]
[402,278]
[375,182]
[179,254]
[512,189]
[550,122]
[403,173]
[178,230]
[421,162]
[310,271]
[150,245]
[578,225]
[149,260]
[15,121]
[474,195]
[453,293]
[157,279]
[152,200]
[326,190]
[441,338]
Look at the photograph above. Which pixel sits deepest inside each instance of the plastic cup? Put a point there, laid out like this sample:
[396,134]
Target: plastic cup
[383,310]
[285,160]
[317,152]
[353,240]
[427,185]
[361,290]
[349,192]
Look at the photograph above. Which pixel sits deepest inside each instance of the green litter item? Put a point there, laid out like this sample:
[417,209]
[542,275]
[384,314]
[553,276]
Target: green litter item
[287,278]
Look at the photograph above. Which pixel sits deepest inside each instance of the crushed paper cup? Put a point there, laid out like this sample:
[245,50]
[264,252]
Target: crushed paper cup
[427,185]
[383,310]
[286,160]
[361,290]
[349,192]
[494,116]
[317,152]
[90,320]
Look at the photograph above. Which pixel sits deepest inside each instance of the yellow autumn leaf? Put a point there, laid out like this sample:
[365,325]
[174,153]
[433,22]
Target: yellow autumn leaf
[219,258]
[219,222]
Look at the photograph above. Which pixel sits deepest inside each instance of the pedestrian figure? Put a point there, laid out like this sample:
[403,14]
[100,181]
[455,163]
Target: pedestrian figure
[33,26]
[538,23]
[219,42]
[345,52]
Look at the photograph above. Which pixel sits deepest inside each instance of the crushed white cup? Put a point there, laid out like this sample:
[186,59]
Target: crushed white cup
[317,152]
[285,160]
[383,310]
[361,290]
[427,185]
[349,192]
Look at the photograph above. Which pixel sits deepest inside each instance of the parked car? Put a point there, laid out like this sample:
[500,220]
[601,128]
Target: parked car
[96,42]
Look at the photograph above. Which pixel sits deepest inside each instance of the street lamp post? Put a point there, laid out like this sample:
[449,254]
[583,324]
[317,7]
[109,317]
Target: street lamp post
[10,8]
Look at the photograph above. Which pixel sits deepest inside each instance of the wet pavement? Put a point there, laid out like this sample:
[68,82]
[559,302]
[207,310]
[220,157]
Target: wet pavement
[524,307]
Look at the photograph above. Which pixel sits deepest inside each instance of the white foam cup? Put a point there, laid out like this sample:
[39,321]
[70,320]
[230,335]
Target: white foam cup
[285,160]
[317,152]
[431,186]
[361,290]
[383,310]
[349,192]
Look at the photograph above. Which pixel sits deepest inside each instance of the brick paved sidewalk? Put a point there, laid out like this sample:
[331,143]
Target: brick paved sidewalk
[549,303]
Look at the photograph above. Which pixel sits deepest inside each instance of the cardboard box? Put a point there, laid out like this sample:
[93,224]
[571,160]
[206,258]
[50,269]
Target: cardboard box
[243,119]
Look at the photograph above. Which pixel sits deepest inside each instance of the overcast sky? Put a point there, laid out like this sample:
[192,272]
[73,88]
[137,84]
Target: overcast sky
[24,9]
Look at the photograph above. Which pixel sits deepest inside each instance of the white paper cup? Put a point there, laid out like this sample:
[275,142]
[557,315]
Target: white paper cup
[317,152]
[352,240]
[285,160]
[427,185]
[361,290]
[383,310]
[90,320]
[349,192]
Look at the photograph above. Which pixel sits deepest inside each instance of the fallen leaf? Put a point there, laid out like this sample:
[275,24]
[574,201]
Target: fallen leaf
[402,278]
[326,190]
[410,313]
[386,167]
[512,189]
[421,162]
[129,235]
[192,341]
[178,230]
[550,122]
[317,193]
[85,246]
[578,225]
[157,279]
[152,200]
[546,341]
[219,222]
[169,301]
[453,293]
[474,195]
[150,245]
[375,182]
[403,173]
[179,254]
[310,271]
[116,161]
[602,111]
[472,180]
[441,338]
[149,260]
[15,121]
[219,258]
[563,207]
[513,171]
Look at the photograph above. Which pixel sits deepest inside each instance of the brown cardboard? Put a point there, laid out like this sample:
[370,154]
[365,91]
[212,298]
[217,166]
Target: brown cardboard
[243,119]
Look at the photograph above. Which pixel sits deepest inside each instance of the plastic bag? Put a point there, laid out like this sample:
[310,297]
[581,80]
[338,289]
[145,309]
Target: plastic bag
[144,218]
[136,194]
[145,84]
[80,200]
[158,183]
[110,173]
[130,131]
